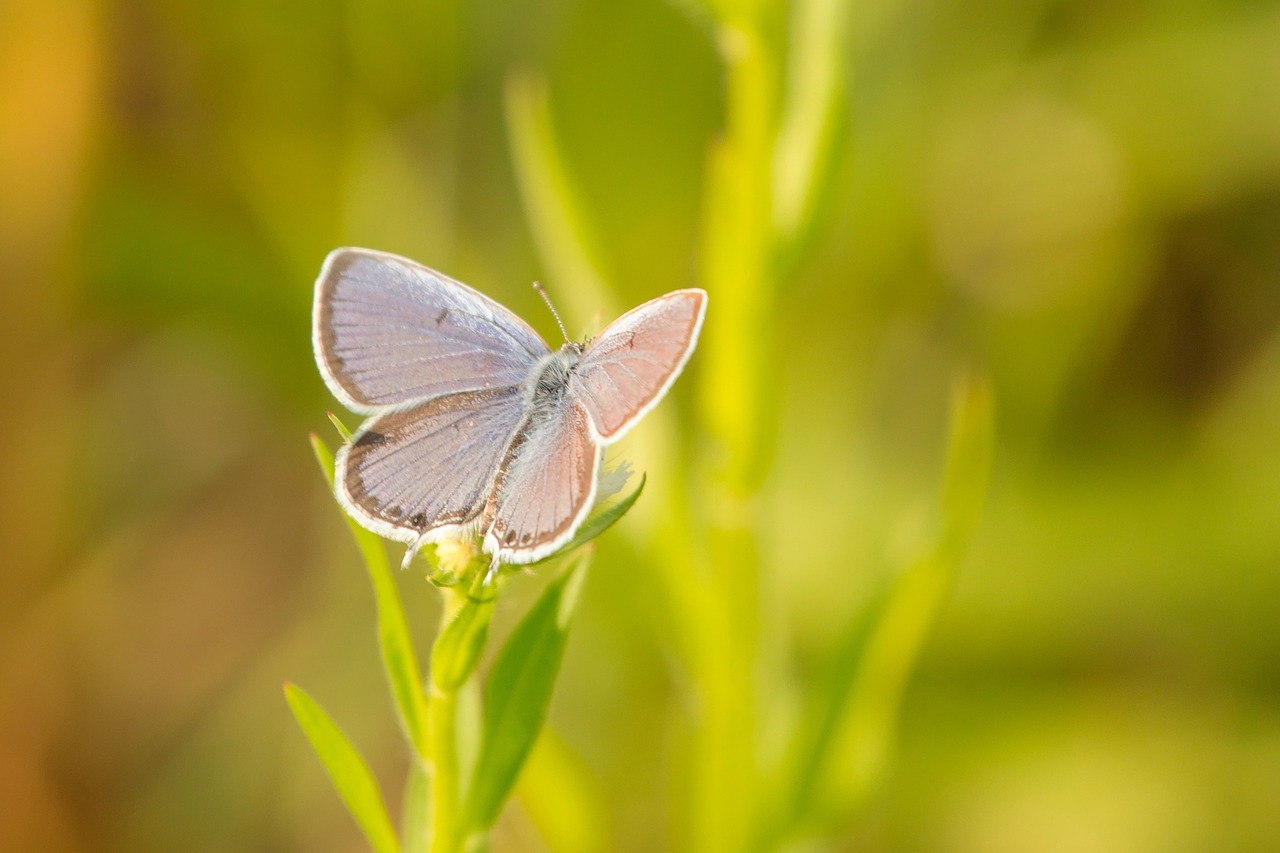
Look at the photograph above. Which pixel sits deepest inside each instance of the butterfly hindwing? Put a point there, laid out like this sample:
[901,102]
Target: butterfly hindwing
[429,466]
[545,487]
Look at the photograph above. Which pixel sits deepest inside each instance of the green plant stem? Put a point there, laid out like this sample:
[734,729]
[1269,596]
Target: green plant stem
[737,266]
[442,734]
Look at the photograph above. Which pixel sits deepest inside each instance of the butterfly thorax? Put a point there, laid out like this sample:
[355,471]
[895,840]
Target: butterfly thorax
[550,378]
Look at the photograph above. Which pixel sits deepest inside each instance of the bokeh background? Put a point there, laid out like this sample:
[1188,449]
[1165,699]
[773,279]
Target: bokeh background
[1079,199]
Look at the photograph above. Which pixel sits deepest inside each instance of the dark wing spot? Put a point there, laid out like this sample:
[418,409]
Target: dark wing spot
[444,312]
[418,520]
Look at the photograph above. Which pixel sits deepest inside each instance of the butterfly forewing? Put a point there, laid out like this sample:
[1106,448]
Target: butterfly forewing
[626,370]
[389,331]
[546,486]
[430,465]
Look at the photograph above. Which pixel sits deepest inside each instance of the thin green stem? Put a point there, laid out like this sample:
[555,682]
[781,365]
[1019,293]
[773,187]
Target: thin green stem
[445,797]
[442,741]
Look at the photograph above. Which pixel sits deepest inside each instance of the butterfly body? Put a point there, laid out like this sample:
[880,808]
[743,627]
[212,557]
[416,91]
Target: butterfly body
[550,380]
[476,424]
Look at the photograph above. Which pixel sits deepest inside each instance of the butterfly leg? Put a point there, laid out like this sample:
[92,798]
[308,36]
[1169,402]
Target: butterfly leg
[413,548]
[491,573]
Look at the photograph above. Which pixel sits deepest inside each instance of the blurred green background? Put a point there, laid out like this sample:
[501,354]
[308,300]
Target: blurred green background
[1081,199]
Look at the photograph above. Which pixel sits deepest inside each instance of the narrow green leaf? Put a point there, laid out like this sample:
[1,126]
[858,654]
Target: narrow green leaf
[825,714]
[720,15]
[347,770]
[701,13]
[457,651]
[964,487]
[810,130]
[399,660]
[844,746]
[600,521]
[561,798]
[324,456]
[518,693]
[415,820]
[552,201]
[339,426]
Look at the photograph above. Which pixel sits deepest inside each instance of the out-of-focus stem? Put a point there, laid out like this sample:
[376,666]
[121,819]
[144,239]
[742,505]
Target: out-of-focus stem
[736,259]
[737,272]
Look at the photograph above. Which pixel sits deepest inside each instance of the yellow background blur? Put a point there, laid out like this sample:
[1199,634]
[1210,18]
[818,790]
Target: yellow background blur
[1080,198]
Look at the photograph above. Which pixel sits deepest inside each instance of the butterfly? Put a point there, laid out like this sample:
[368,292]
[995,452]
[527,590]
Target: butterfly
[475,424]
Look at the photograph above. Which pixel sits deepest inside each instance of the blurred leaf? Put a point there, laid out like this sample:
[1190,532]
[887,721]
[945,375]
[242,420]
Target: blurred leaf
[561,799]
[457,651]
[827,709]
[731,13]
[518,693]
[843,748]
[347,770]
[415,829]
[399,660]
[702,13]
[600,521]
[553,205]
[964,488]
[810,129]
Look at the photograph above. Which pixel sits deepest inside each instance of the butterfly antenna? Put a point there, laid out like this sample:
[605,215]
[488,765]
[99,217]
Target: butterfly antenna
[542,291]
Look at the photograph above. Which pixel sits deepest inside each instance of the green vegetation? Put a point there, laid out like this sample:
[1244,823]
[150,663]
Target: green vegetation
[960,532]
